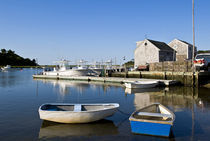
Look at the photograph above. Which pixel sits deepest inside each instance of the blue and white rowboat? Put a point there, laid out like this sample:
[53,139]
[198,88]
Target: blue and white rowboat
[154,119]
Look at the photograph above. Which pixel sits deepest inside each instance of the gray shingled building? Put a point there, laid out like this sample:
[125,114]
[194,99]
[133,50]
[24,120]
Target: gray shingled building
[183,49]
[150,51]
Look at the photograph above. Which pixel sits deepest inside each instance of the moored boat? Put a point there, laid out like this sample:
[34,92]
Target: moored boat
[7,67]
[63,69]
[154,119]
[142,84]
[76,113]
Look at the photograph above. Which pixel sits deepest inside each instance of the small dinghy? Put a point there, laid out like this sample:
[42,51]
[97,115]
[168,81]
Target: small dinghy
[76,113]
[154,119]
[142,84]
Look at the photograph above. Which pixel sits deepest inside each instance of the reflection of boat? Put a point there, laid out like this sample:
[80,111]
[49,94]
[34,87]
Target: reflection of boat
[7,67]
[135,91]
[64,70]
[154,119]
[142,84]
[65,85]
[76,113]
[99,128]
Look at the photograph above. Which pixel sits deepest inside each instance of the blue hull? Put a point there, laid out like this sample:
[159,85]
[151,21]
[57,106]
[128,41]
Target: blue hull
[148,128]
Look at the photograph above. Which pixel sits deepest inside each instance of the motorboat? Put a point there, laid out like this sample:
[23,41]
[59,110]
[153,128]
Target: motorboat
[76,113]
[96,67]
[63,69]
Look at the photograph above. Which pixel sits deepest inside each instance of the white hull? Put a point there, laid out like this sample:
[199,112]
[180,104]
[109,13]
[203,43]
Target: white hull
[97,70]
[70,72]
[78,116]
[143,84]
[8,67]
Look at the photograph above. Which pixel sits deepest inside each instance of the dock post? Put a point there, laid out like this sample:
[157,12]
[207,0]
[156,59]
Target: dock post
[193,79]
[196,79]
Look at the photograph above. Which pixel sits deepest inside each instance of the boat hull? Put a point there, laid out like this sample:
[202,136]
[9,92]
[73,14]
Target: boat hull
[71,72]
[137,85]
[76,117]
[149,128]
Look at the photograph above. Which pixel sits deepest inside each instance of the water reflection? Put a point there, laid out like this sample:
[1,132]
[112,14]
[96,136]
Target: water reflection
[190,105]
[10,78]
[183,101]
[136,91]
[65,86]
[101,128]
[15,76]
[176,97]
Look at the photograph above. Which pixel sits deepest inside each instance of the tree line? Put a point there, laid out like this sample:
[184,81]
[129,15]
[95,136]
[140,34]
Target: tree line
[203,51]
[8,57]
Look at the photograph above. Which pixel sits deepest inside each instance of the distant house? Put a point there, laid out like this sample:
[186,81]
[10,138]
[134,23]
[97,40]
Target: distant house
[183,49]
[150,51]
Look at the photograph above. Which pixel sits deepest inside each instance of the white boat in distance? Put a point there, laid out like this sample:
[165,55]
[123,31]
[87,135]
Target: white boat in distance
[7,67]
[76,113]
[142,84]
[64,70]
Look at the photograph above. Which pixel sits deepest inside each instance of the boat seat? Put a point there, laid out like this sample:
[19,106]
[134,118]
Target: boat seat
[77,107]
[154,115]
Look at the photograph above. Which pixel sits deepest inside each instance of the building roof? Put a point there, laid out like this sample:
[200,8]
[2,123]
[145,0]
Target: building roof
[185,42]
[161,45]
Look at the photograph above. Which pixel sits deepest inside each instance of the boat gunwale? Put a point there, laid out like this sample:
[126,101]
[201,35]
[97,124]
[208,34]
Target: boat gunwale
[116,105]
[131,85]
[146,82]
[132,118]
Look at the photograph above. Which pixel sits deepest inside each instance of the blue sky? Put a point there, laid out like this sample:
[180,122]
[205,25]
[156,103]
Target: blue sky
[97,29]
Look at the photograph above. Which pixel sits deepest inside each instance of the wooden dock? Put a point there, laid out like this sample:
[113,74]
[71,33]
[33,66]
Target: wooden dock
[104,79]
[192,79]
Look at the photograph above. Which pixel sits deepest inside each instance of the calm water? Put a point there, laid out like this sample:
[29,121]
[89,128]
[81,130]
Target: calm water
[21,96]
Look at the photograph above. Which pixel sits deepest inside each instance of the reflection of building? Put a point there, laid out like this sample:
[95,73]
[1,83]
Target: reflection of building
[176,97]
[141,100]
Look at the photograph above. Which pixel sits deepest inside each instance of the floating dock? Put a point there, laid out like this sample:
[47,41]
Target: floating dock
[104,79]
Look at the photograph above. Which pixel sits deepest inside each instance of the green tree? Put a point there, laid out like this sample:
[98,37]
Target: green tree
[10,58]
[3,51]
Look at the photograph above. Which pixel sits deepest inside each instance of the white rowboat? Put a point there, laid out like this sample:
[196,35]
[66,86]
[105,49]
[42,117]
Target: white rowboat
[141,84]
[76,113]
